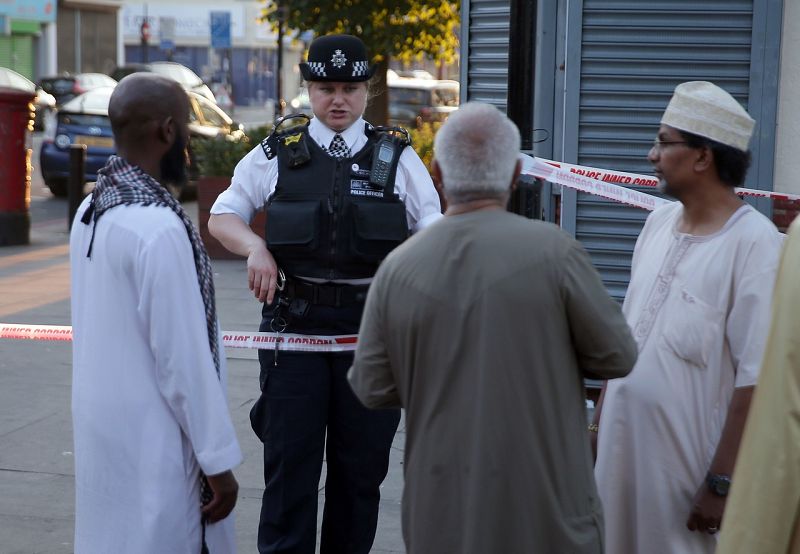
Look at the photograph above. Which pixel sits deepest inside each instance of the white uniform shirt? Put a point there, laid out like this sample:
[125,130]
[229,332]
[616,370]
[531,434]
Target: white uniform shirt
[149,411]
[255,178]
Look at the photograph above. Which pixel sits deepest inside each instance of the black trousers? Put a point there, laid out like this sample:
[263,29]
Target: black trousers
[303,398]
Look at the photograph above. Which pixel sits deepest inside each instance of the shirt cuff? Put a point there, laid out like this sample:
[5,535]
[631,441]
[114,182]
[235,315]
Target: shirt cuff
[220,461]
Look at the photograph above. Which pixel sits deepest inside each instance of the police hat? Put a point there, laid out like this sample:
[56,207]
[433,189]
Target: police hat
[339,58]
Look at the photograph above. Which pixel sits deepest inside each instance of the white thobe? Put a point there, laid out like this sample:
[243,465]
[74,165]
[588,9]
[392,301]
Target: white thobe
[148,408]
[699,308]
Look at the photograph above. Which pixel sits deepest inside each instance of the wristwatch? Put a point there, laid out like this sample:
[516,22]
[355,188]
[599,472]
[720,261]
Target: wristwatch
[718,484]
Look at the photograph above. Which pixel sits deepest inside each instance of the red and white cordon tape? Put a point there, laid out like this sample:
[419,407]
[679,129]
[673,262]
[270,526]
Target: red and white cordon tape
[541,169]
[605,183]
[233,339]
[612,184]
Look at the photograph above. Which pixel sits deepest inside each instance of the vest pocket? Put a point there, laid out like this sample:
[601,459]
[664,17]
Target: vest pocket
[293,227]
[378,227]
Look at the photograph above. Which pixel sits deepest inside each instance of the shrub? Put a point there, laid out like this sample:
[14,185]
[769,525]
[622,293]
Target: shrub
[219,156]
[422,141]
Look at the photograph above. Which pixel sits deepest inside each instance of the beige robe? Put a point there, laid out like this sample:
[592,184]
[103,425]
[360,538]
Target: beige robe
[763,511]
[482,327]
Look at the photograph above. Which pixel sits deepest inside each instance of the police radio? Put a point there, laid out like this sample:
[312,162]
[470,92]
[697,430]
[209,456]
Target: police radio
[387,155]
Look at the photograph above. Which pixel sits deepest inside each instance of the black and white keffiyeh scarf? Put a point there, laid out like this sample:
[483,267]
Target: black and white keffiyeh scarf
[122,184]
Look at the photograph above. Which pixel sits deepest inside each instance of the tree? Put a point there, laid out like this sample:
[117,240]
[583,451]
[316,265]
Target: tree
[403,29]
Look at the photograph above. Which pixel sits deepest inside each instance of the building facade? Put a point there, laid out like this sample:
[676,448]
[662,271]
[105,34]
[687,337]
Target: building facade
[603,72]
[27,36]
[88,36]
[250,63]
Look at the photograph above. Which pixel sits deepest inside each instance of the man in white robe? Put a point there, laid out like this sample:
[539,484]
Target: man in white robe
[698,304]
[148,399]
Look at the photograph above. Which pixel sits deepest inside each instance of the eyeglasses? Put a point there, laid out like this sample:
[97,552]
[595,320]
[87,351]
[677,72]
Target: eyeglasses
[659,144]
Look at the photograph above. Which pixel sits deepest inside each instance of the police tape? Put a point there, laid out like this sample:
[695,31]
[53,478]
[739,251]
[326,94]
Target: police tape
[623,179]
[232,339]
[562,176]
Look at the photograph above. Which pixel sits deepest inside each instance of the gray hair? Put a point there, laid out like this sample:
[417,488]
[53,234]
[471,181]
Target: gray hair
[477,151]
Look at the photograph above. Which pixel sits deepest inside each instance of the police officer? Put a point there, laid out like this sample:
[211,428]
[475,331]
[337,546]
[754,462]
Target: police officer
[339,195]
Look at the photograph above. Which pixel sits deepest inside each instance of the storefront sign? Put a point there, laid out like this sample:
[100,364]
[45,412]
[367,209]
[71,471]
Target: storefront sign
[31,10]
[190,25]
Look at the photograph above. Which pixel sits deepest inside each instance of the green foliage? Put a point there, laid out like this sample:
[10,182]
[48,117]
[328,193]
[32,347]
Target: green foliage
[218,157]
[422,141]
[403,29]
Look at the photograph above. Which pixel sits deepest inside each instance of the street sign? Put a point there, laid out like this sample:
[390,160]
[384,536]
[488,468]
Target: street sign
[166,26]
[220,29]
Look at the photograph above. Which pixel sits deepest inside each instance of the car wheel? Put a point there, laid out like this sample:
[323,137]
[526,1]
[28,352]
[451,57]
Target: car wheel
[57,186]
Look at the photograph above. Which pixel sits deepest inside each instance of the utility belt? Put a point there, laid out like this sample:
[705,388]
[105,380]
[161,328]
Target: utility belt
[295,297]
[327,294]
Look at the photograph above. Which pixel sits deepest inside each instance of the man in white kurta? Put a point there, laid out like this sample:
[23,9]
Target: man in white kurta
[698,305]
[149,409]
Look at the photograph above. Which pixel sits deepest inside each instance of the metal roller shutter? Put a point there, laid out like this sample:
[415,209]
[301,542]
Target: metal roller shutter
[486,51]
[633,54]
[16,52]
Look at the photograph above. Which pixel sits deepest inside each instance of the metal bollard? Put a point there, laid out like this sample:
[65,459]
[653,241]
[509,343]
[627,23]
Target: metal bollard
[77,179]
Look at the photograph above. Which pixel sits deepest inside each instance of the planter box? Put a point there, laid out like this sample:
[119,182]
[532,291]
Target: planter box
[208,188]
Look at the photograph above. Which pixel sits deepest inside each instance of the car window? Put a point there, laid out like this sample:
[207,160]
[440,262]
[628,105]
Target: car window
[445,97]
[194,112]
[211,116]
[84,119]
[58,86]
[411,96]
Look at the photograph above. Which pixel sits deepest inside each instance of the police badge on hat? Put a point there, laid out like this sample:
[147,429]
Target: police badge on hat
[339,58]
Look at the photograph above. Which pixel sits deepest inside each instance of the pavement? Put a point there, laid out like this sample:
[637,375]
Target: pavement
[36,459]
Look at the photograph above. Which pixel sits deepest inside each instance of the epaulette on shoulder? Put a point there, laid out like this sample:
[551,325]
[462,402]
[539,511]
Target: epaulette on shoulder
[270,146]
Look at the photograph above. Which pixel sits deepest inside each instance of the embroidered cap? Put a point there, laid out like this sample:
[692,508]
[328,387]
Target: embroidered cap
[704,109]
[340,58]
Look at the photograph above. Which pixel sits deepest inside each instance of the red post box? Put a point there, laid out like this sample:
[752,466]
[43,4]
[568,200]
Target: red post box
[16,126]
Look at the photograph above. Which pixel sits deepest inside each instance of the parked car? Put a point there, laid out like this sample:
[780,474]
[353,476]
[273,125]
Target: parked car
[414,101]
[44,103]
[175,71]
[84,120]
[66,87]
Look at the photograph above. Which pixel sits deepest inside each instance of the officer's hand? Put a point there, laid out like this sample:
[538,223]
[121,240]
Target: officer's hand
[225,490]
[262,273]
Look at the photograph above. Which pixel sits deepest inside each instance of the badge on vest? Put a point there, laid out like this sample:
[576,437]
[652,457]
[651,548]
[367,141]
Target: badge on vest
[360,185]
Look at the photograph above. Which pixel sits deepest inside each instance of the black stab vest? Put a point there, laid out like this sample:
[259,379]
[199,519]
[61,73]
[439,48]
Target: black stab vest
[324,219]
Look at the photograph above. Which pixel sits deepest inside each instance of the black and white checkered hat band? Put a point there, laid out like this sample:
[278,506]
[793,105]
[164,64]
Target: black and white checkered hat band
[317,68]
[360,69]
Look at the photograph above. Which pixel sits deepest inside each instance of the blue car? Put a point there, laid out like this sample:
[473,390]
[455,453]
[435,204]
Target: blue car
[82,120]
